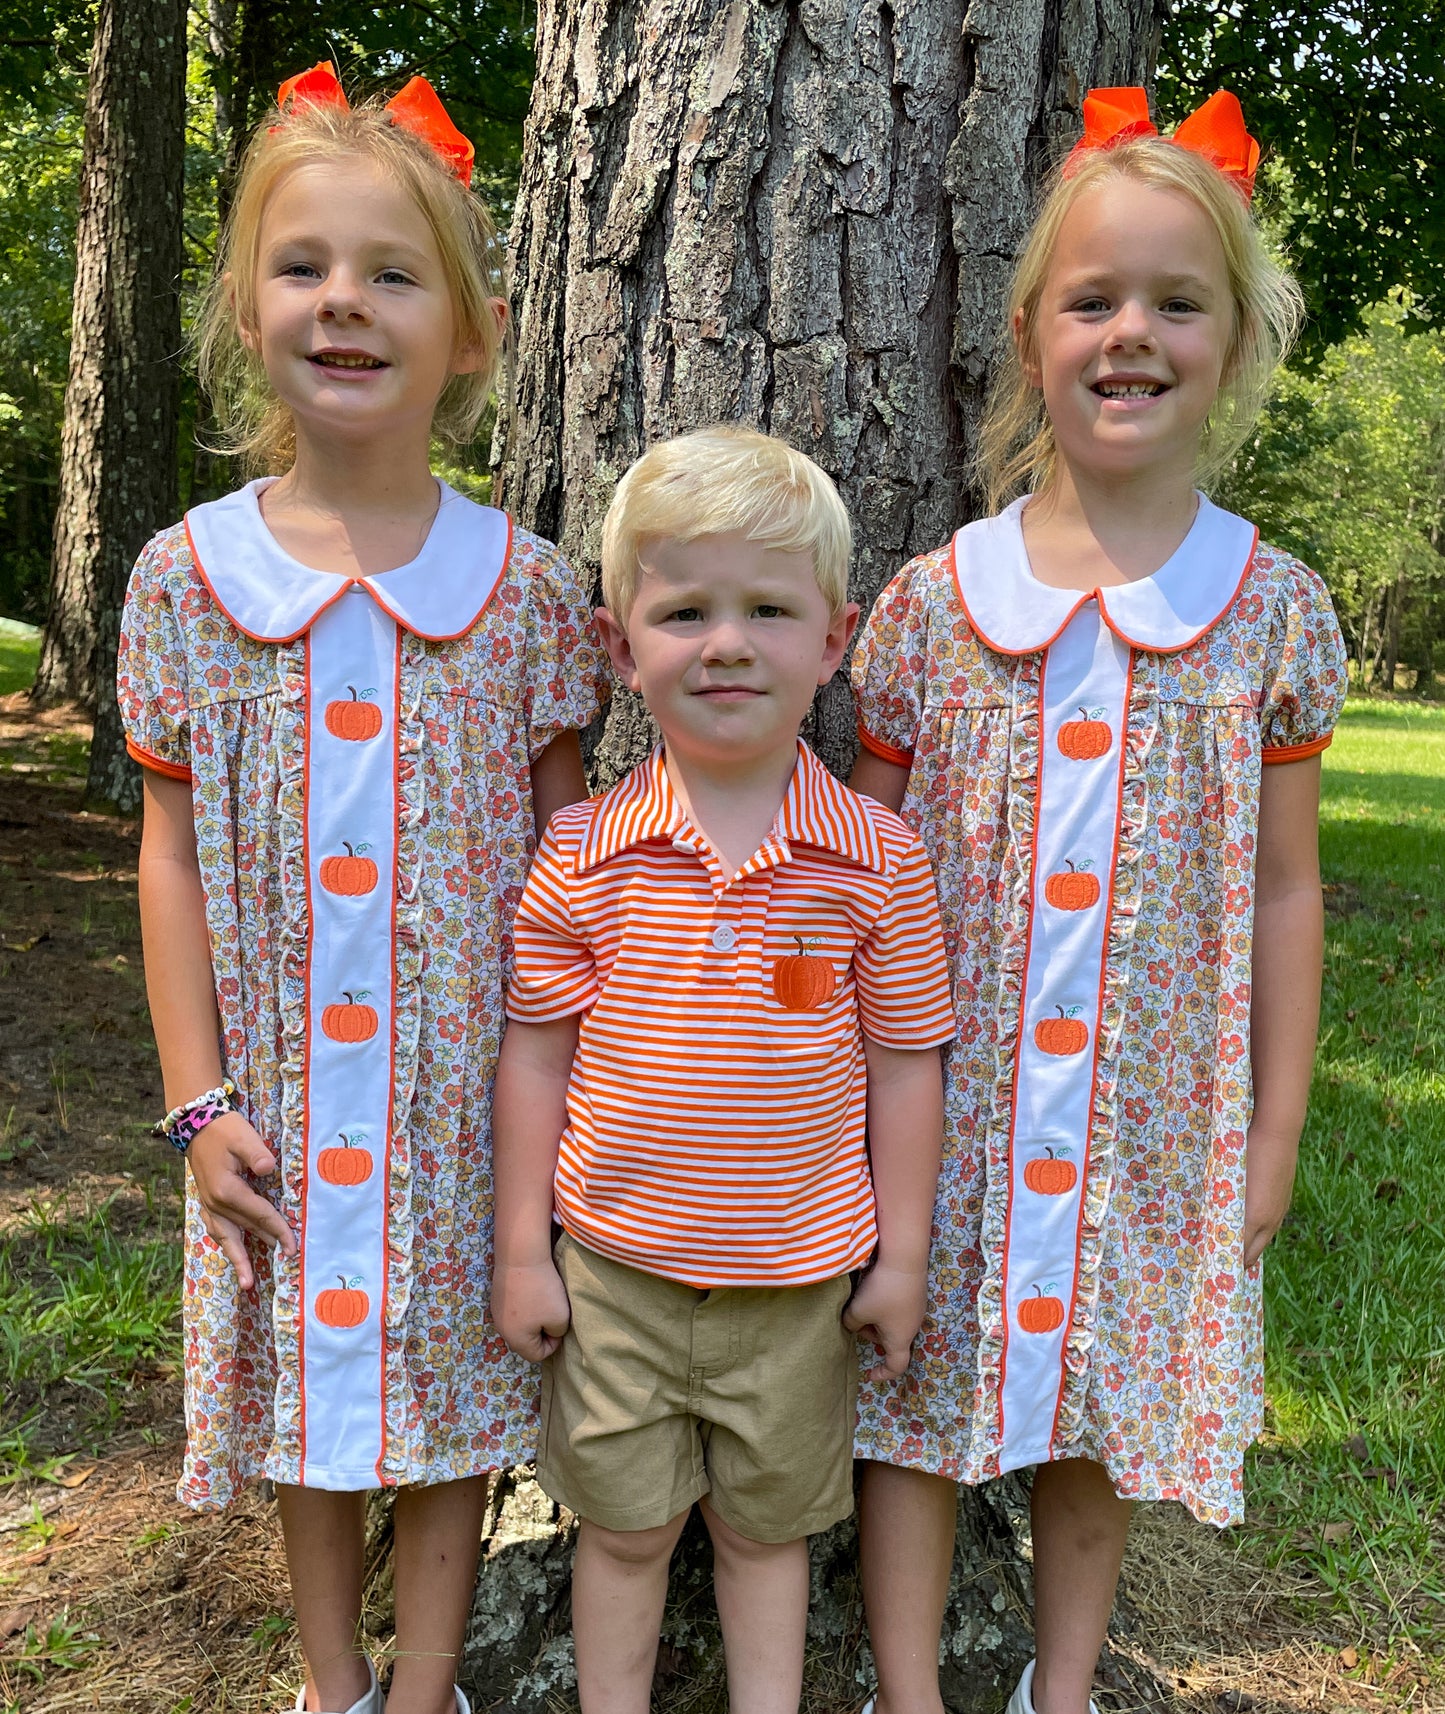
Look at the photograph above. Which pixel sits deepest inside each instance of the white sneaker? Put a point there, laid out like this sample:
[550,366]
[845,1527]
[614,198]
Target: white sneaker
[1022,1700]
[463,1706]
[368,1703]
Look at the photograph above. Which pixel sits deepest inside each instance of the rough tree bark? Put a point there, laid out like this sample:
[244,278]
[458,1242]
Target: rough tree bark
[118,445]
[801,214]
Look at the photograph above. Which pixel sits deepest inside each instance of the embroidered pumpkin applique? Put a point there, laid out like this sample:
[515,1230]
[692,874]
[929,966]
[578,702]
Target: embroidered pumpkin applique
[350,1164]
[1072,889]
[1083,739]
[356,720]
[1041,1313]
[1063,1035]
[345,1305]
[1049,1175]
[349,875]
[352,1022]
[801,982]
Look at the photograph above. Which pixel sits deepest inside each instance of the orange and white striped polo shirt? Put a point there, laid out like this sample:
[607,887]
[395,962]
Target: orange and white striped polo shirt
[717,1102]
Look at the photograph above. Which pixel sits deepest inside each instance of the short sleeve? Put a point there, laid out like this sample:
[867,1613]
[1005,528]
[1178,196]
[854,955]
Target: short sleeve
[151,679]
[900,968]
[554,974]
[889,668]
[1305,676]
[568,676]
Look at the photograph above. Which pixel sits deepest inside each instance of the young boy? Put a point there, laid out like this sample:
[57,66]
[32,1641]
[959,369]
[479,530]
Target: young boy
[723,967]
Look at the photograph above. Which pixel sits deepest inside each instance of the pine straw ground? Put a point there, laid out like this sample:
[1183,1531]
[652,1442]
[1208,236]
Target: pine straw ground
[113,1597]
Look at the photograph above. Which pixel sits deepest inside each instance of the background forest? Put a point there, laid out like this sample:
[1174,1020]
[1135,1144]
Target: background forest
[1347,469]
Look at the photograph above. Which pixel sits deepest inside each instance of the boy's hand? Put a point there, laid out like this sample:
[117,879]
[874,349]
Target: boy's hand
[220,1157]
[1269,1167]
[530,1308]
[888,1308]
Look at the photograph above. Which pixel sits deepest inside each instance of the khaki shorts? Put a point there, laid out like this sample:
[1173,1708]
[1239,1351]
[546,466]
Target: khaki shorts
[661,1393]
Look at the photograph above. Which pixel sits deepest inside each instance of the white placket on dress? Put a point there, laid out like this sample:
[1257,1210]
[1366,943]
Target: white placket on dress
[350,633]
[1059,1164]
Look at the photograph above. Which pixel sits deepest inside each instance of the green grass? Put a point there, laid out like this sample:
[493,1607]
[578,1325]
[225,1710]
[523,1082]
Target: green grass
[1352,1475]
[19,654]
[87,1309]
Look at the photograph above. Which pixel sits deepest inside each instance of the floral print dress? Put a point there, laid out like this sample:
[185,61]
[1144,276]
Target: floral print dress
[359,754]
[1085,771]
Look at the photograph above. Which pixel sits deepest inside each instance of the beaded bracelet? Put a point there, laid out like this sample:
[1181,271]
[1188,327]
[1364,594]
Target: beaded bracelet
[187,1121]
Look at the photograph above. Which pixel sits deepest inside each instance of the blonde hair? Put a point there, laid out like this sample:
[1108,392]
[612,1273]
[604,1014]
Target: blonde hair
[1016,441]
[255,423]
[717,480]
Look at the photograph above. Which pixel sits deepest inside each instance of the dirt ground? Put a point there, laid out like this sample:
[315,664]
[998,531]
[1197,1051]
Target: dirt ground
[114,1597]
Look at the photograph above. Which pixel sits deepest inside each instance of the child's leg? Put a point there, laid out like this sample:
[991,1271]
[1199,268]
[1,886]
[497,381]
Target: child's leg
[619,1588]
[438,1533]
[762,1603]
[324,1538]
[905,1524]
[1080,1525]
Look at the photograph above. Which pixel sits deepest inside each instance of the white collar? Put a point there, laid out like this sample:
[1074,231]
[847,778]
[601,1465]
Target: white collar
[1015,614]
[274,598]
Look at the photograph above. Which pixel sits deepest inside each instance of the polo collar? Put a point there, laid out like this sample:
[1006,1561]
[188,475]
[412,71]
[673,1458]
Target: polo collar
[273,598]
[1014,614]
[817,810]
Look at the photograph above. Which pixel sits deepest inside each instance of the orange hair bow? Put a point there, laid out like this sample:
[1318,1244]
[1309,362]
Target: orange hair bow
[1216,131]
[416,108]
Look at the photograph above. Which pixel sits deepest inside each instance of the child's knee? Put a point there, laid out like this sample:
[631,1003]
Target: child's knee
[633,1549]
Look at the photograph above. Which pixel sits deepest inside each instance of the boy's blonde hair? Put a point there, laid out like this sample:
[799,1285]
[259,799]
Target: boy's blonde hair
[717,480]
[254,422]
[1016,442]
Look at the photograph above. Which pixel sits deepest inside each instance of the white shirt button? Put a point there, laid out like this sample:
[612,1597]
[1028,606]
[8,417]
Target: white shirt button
[724,937]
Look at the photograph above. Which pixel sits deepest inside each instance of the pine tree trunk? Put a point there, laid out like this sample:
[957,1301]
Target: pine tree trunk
[118,447]
[798,215]
[801,215]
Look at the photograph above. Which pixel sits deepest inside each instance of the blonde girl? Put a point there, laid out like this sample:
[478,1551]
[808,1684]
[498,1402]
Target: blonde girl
[1103,708]
[355,697]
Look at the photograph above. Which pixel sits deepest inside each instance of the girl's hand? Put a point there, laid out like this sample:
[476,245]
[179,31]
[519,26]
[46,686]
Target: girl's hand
[220,1157]
[1269,1164]
[887,1308]
[530,1308]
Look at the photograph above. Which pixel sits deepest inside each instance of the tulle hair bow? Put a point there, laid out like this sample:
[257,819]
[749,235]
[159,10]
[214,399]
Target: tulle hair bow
[1216,131]
[416,108]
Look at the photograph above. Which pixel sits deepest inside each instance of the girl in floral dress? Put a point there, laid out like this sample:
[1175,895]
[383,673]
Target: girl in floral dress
[1103,709]
[355,696]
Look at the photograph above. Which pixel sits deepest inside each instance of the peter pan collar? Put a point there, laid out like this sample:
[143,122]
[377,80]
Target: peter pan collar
[817,811]
[272,597]
[1015,614]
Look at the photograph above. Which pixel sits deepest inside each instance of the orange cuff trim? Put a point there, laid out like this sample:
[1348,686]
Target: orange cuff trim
[1296,752]
[158,764]
[900,758]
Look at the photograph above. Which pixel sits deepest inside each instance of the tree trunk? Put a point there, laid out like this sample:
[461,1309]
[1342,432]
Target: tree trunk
[1396,598]
[118,446]
[801,215]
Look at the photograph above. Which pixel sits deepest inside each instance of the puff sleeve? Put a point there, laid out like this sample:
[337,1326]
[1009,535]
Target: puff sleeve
[151,674]
[1305,674]
[568,677]
[890,666]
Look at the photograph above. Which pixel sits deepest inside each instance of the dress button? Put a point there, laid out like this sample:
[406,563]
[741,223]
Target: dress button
[724,937]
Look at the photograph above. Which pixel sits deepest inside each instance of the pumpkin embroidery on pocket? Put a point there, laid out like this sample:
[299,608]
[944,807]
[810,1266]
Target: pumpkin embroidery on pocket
[801,982]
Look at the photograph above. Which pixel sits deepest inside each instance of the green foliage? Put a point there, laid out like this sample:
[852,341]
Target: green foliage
[1347,470]
[1347,96]
[1350,1476]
